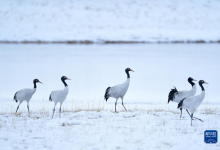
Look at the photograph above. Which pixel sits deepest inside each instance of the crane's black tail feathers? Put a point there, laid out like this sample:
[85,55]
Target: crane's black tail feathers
[171,94]
[181,103]
[15,97]
[50,99]
[107,93]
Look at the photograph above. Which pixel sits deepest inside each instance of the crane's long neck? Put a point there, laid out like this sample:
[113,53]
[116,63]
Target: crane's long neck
[202,95]
[202,87]
[64,83]
[128,75]
[35,85]
[192,83]
[193,90]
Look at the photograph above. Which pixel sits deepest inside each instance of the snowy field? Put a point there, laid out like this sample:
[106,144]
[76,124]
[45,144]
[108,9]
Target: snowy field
[89,122]
[106,130]
[112,20]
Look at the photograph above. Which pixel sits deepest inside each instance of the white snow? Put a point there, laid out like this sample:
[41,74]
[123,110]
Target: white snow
[106,130]
[97,20]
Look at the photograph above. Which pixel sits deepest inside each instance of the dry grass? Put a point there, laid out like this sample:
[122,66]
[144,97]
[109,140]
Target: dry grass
[46,107]
[105,42]
[210,111]
[168,144]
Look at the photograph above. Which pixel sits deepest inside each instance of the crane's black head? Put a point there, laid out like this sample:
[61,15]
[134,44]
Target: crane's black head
[202,82]
[64,78]
[127,72]
[36,81]
[190,79]
[128,69]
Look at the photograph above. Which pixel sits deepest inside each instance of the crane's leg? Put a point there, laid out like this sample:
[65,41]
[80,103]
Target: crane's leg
[123,103]
[18,106]
[54,109]
[116,104]
[188,112]
[194,117]
[60,110]
[28,106]
[191,118]
[181,112]
[198,119]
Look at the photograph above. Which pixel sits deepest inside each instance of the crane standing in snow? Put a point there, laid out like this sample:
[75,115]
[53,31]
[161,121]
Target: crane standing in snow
[59,95]
[193,102]
[177,96]
[25,94]
[118,91]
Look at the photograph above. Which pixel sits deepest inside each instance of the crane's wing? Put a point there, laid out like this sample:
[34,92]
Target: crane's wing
[21,94]
[114,91]
[180,95]
[187,103]
[56,95]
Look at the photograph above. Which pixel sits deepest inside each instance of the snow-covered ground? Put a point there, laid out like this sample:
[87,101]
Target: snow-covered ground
[89,122]
[112,20]
[106,130]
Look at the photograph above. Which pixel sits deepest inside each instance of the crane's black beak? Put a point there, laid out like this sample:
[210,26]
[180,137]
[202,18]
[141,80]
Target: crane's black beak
[68,79]
[205,82]
[131,70]
[194,80]
[40,82]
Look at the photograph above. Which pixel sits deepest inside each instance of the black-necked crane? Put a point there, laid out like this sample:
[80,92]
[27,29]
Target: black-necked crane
[177,96]
[193,102]
[59,95]
[118,91]
[25,94]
